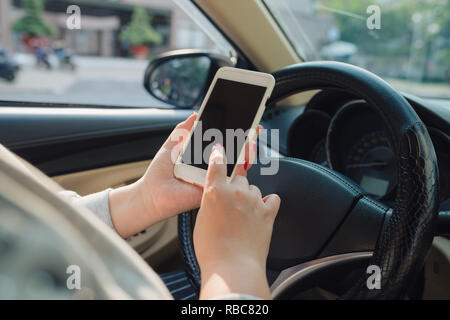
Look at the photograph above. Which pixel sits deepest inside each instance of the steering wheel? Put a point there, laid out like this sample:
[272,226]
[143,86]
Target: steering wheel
[326,222]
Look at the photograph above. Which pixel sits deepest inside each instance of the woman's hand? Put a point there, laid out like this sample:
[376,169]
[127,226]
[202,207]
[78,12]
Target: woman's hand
[158,195]
[232,233]
[166,196]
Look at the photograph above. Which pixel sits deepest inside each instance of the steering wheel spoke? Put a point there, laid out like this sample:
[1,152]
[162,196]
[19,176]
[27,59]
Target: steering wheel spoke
[305,275]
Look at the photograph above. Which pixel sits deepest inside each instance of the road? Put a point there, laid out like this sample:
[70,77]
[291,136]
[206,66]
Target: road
[118,82]
[104,81]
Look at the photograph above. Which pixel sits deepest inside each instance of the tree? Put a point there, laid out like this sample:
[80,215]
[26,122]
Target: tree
[139,31]
[32,23]
[393,39]
[413,31]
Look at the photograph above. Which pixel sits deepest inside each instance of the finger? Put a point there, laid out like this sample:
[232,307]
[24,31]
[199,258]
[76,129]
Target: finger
[217,168]
[189,122]
[250,150]
[241,181]
[272,203]
[250,154]
[241,168]
[258,131]
[180,132]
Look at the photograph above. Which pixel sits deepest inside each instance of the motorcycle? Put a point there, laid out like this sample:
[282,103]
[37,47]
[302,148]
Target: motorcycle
[8,67]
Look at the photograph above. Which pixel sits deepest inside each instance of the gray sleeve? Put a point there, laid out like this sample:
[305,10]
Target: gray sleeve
[97,203]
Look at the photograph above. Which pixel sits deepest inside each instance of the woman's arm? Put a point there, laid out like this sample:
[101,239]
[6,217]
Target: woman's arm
[233,228]
[97,203]
[158,195]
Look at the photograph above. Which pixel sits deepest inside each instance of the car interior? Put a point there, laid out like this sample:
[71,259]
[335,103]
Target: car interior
[364,175]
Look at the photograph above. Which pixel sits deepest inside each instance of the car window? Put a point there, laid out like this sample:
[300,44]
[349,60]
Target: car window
[94,52]
[407,42]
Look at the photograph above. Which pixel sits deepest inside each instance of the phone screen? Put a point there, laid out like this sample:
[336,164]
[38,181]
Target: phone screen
[232,105]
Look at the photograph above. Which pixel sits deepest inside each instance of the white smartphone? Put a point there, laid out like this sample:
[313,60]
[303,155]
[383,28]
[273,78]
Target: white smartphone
[234,103]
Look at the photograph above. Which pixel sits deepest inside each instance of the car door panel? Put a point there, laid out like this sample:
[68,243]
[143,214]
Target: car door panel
[91,149]
[94,180]
[66,140]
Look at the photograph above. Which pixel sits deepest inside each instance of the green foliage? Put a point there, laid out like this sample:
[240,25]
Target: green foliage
[139,31]
[394,37]
[444,56]
[32,23]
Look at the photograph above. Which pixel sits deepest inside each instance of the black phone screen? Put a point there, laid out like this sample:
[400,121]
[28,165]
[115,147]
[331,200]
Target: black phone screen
[230,110]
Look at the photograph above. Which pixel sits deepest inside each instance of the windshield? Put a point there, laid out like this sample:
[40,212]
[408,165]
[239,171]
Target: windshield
[407,42]
[94,52]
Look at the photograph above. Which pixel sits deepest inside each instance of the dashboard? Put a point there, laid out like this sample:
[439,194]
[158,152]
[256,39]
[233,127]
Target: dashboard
[344,133]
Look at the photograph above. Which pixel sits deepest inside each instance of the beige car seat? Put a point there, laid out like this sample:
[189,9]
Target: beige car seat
[51,249]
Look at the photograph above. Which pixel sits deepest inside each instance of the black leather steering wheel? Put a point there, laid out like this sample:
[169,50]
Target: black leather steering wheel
[325,219]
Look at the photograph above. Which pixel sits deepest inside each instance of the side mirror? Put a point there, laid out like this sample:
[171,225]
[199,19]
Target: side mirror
[181,78]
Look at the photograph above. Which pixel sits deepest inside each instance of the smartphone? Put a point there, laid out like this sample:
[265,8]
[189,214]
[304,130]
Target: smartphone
[229,114]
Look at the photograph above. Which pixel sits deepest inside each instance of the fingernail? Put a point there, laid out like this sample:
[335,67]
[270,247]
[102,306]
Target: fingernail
[217,148]
[217,154]
[245,165]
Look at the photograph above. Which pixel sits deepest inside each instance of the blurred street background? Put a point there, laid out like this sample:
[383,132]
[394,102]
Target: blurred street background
[96,80]
[103,62]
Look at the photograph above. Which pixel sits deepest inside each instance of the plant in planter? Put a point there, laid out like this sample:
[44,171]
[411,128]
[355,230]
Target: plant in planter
[139,34]
[32,24]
